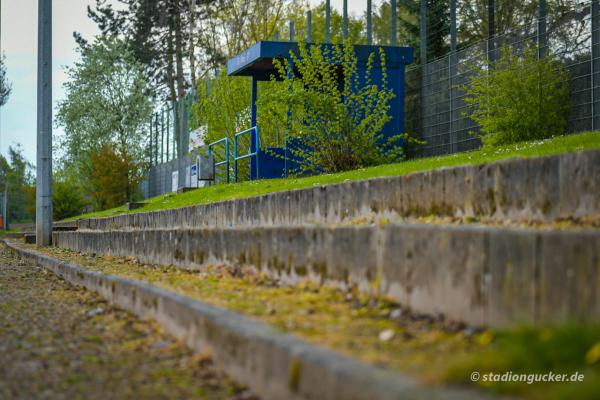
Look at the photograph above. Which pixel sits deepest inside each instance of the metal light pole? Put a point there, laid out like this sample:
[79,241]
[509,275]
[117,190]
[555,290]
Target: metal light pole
[369,23]
[327,21]
[43,204]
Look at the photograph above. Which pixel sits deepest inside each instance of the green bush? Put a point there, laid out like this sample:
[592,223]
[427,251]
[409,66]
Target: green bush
[519,98]
[337,125]
[67,197]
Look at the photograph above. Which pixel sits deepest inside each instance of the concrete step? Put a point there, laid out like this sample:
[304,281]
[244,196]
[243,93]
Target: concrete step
[545,189]
[481,275]
[30,236]
[272,364]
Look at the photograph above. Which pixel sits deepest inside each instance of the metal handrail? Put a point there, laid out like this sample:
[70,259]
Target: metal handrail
[226,161]
[250,153]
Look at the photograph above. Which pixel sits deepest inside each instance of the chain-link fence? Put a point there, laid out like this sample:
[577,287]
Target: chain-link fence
[435,104]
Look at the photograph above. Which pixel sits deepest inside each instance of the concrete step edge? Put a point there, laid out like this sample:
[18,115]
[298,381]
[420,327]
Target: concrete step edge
[272,364]
[521,189]
[484,276]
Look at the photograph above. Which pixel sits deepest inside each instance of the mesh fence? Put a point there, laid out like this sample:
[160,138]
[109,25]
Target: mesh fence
[435,106]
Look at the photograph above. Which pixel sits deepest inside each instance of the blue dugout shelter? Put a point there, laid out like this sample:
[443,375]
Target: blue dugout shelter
[257,63]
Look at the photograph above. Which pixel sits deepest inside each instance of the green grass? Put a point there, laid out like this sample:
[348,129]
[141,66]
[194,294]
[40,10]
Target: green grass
[557,145]
[564,350]
[10,230]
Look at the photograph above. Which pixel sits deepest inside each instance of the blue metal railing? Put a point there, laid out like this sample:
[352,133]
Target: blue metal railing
[226,161]
[252,152]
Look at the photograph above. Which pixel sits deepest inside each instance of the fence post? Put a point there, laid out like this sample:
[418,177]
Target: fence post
[156,144]
[595,62]
[369,23]
[542,40]
[176,148]
[345,13]
[183,128]
[162,133]
[253,121]
[5,207]
[452,61]
[423,59]
[423,32]
[327,21]
[453,25]
[165,128]
[491,47]
[393,40]
[150,148]
[308,26]
[183,142]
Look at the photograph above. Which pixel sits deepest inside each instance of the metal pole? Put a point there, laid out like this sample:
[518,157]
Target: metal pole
[162,139]
[253,120]
[176,148]
[423,32]
[43,205]
[542,41]
[292,31]
[453,25]
[595,62]
[183,142]
[327,21]
[188,113]
[185,132]
[151,150]
[345,20]
[369,23]
[158,145]
[491,31]
[5,208]
[308,26]
[167,130]
[394,23]
[451,64]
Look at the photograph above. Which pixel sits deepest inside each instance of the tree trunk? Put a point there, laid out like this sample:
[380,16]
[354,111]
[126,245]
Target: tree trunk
[191,39]
[179,55]
[180,84]
[171,75]
[170,68]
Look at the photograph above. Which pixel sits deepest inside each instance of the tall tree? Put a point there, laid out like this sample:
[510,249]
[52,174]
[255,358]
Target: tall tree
[408,12]
[5,87]
[108,102]
[16,176]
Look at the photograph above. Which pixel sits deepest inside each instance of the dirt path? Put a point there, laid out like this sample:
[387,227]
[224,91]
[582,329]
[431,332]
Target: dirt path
[62,342]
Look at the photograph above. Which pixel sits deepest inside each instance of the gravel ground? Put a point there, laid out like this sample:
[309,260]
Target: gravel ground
[62,342]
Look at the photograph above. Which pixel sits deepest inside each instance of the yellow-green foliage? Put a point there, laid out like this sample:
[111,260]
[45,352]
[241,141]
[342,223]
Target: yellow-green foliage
[336,121]
[519,98]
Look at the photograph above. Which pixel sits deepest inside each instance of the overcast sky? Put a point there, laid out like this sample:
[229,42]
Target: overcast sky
[19,45]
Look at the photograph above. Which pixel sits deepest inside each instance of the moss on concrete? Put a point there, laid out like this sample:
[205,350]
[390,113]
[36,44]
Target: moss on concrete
[378,331]
[62,342]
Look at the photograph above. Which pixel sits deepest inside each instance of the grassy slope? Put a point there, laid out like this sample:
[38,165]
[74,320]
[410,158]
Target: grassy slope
[562,144]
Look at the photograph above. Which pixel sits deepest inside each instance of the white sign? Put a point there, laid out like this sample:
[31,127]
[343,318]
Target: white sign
[194,176]
[175,181]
